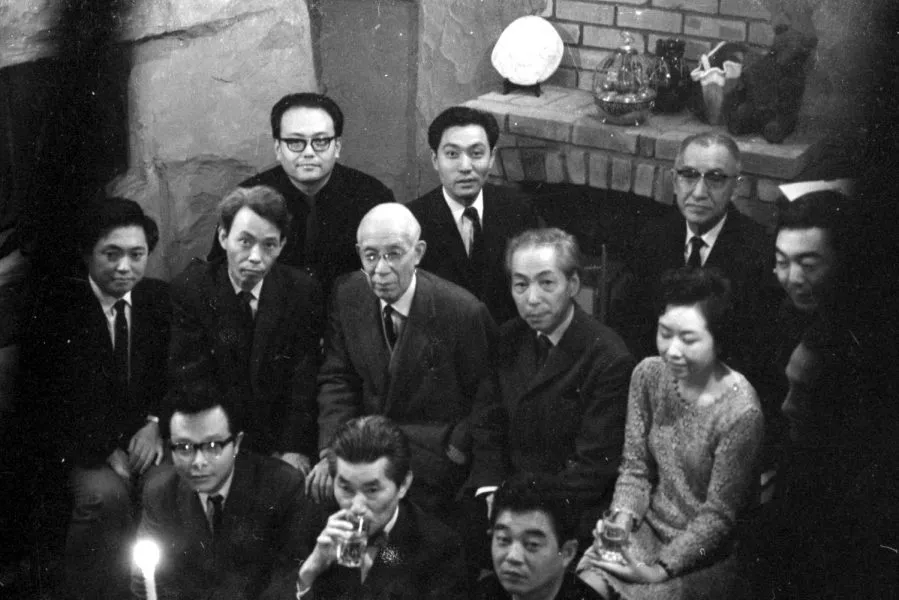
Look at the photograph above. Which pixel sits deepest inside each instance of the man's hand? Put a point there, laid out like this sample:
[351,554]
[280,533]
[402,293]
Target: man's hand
[298,461]
[319,483]
[145,448]
[336,530]
[118,461]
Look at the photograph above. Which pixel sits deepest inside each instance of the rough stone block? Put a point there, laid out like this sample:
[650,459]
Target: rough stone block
[512,164]
[576,164]
[534,163]
[761,34]
[548,9]
[584,58]
[668,144]
[610,37]
[646,146]
[767,190]
[506,141]
[27,30]
[644,178]
[703,6]
[719,29]
[598,165]
[585,80]
[497,169]
[585,12]
[544,125]
[554,165]
[663,189]
[564,77]
[569,32]
[648,18]
[754,9]
[589,132]
[621,174]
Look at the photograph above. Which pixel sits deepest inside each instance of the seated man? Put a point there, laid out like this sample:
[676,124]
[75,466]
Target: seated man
[409,555]
[466,221]
[563,382]
[253,325]
[326,200]
[408,345]
[533,543]
[229,523]
[95,355]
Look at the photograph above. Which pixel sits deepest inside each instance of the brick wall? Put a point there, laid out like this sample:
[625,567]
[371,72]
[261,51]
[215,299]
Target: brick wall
[592,29]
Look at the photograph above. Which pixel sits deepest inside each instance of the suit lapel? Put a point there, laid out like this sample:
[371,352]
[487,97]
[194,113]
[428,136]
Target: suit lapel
[268,315]
[192,516]
[240,495]
[726,239]
[366,312]
[384,571]
[409,355]
[446,232]
[565,354]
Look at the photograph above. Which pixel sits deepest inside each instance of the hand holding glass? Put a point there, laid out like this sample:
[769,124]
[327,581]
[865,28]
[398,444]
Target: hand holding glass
[351,552]
[612,537]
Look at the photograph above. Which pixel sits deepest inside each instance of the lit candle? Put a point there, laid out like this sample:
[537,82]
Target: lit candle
[146,556]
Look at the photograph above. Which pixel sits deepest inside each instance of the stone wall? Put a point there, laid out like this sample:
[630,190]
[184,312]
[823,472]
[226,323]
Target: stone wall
[592,30]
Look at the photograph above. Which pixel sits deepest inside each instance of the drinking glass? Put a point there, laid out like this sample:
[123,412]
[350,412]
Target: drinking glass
[351,552]
[612,538]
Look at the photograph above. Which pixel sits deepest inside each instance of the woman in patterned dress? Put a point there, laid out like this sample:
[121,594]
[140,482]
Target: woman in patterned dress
[694,429]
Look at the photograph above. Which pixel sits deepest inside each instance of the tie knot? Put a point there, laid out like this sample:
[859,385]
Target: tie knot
[120,306]
[471,213]
[245,297]
[388,311]
[217,500]
[696,242]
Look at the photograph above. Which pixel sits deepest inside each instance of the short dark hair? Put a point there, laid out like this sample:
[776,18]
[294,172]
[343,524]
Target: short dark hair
[306,100]
[708,289]
[828,210]
[197,395]
[102,215]
[567,250]
[707,139]
[266,202]
[528,492]
[460,116]
[366,439]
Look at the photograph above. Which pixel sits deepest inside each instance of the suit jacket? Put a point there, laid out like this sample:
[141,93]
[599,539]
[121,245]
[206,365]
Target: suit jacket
[573,588]
[69,368]
[744,252]
[422,559]
[272,371]
[437,377]
[257,552]
[567,419]
[504,217]
[339,207]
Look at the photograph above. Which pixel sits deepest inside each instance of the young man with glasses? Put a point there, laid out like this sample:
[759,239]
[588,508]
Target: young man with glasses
[325,199]
[705,231]
[229,523]
[406,344]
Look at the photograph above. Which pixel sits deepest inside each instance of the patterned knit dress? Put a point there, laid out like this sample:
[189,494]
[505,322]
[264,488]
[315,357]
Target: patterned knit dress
[686,472]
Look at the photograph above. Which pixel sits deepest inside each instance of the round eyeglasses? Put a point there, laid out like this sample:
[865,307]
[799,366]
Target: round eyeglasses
[370,258]
[319,144]
[714,179]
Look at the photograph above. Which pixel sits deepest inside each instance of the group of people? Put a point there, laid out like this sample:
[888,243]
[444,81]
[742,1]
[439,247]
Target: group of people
[426,368]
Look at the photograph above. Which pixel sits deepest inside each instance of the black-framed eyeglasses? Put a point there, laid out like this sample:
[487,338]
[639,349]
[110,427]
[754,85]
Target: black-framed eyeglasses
[319,144]
[714,179]
[213,448]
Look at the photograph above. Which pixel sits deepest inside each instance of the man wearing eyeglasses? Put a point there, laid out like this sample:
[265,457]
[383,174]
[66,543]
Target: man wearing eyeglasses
[406,344]
[229,523]
[326,199]
[706,231]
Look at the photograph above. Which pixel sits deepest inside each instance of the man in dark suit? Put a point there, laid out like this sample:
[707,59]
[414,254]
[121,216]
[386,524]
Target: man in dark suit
[254,326]
[406,344]
[563,382]
[95,356]
[706,231]
[533,543]
[465,221]
[326,199]
[409,554]
[230,523]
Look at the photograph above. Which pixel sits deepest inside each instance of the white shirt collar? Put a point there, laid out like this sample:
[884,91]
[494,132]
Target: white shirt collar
[107,302]
[457,208]
[404,303]
[556,336]
[709,237]
[256,291]
[389,527]
[223,492]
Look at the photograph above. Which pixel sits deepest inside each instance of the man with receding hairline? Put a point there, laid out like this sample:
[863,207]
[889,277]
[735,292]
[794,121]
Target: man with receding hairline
[406,344]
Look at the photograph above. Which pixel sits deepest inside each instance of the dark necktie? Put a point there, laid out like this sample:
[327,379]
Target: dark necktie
[696,244]
[215,512]
[120,350]
[246,310]
[389,327]
[544,345]
[475,249]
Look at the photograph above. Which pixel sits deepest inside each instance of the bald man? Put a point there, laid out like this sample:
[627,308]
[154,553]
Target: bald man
[404,343]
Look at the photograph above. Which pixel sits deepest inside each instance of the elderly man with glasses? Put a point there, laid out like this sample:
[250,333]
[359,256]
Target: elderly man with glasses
[707,231]
[403,343]
[326,200]
[229,523]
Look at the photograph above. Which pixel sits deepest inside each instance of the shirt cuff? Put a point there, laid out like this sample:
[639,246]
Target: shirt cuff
[485,489]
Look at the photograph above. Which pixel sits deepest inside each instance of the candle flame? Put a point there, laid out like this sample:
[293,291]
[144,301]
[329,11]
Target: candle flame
[146,554]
